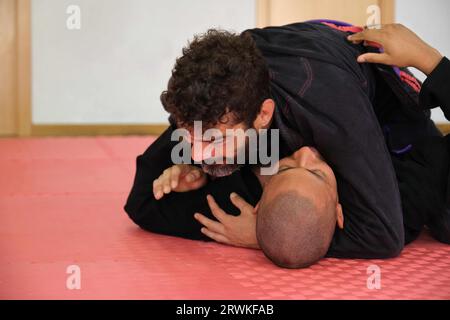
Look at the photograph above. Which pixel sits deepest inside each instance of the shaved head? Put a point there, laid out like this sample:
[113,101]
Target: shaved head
[292,230]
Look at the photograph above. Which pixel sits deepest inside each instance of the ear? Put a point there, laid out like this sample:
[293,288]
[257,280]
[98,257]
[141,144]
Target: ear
[339,216]
[264,117]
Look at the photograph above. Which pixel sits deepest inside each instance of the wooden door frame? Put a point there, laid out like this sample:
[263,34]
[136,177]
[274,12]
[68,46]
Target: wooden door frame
[23,65]
[387,7]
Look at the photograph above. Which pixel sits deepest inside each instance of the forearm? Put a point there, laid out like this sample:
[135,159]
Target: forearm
[173,214]
[142,206]
[435,90]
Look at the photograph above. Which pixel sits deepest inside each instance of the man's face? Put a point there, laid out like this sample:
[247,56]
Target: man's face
[307,173]
[232,143]
[218,152]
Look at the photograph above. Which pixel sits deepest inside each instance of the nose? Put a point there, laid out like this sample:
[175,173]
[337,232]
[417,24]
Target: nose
[306,155]
[197,151]
[315,152]
[201,151]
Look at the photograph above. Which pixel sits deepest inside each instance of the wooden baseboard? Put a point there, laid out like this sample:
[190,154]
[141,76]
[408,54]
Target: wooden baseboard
[94,130]
[123,130]
[444,127]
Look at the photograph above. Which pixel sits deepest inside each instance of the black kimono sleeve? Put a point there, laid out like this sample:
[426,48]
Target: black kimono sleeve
[436,88]
[173,214]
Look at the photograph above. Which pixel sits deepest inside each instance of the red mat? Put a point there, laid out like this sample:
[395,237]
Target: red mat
[61,204]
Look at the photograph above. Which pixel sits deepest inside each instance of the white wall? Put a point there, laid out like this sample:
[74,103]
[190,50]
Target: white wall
[430,20]
[114,68]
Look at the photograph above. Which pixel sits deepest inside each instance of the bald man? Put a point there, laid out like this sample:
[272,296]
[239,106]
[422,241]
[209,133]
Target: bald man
[299,210]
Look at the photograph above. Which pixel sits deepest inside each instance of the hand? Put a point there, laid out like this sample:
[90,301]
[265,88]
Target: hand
[179,178]
[237,231]
[401,46]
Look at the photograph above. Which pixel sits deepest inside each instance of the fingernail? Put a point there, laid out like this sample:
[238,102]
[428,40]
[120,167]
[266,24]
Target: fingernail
[196,215]
[361,59]
[232,195]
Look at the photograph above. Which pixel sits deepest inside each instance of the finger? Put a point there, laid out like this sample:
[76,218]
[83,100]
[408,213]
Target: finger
[157,189]
[210,224]
[175,176]
[215,236]
[356,37]
[215,209]
[166,181]
[374,58]
[367,34]
[355,41]
[373,26]
[241,204]
[372,44]
[199,182]
[193,175]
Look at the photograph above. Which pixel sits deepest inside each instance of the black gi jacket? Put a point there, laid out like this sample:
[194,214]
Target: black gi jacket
[323,98]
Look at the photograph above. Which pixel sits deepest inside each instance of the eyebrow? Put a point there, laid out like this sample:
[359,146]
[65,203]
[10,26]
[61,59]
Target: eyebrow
[318,176]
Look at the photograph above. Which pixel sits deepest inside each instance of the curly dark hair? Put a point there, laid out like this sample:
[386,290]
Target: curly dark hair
[219,72]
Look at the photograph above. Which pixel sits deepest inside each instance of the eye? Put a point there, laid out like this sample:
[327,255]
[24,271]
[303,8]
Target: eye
[319,173]
[282,168]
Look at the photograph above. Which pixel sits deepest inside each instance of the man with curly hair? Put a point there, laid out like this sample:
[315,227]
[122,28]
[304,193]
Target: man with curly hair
[303,80]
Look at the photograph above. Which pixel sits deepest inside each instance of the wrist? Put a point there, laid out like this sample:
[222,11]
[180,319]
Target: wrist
[430,61]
